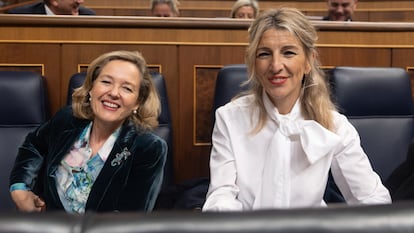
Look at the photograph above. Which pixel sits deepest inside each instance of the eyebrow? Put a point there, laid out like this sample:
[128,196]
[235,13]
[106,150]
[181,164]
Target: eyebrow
[338,4]
[111,77]
[283,47]
[291,47]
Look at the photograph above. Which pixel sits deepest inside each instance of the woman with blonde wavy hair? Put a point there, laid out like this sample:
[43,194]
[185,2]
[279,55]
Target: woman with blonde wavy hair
[245,9]
[99,154]
[164,8]
[274,146]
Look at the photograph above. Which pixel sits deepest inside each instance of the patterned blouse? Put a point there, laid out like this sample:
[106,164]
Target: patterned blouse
[79,170]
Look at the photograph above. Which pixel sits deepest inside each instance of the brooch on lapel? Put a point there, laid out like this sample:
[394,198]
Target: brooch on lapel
[120,156]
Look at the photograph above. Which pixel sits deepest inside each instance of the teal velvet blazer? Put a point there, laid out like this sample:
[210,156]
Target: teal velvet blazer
[129,181]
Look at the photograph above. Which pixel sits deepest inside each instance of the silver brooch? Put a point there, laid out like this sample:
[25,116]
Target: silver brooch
[120,156]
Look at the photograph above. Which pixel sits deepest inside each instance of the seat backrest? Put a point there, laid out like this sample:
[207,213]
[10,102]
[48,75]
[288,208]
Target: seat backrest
[378,102]
[74,82]
[229,84]
[164,129]
[23,99]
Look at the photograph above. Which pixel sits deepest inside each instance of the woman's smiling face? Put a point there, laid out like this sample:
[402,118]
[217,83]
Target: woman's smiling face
[280,65]
[114,94]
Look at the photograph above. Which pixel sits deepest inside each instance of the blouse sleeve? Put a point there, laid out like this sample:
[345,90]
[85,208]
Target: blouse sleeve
[223,191]
[352,170]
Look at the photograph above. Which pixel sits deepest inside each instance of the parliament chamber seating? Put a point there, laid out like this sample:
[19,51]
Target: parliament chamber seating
[24,106]
[164,129]
[229,83]
[333,219]
[378,102]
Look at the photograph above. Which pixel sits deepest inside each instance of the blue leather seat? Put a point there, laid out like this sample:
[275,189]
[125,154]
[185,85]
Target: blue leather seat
[164,129]
[75,81]
[23,100]
[378,102]
[229,83]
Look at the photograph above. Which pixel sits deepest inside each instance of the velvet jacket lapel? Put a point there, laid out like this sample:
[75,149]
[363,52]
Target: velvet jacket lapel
[111,190]
[66,138]
[105,178]
[66,141]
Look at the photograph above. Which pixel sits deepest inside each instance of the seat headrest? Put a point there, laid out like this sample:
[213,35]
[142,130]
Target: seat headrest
[75,81]
[159,82]
[372,91]
[228,83]
[22,97]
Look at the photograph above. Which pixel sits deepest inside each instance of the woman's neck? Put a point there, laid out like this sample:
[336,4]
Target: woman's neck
[99,134]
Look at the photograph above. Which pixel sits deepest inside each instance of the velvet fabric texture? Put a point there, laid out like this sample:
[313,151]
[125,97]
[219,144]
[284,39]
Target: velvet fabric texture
[125,183]
[39,9]
[401,181]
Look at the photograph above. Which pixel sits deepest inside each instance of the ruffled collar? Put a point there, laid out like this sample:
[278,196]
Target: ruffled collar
[316,140]
[273,112]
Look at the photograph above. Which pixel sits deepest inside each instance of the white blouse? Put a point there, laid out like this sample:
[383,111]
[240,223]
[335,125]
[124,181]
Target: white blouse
[286,164]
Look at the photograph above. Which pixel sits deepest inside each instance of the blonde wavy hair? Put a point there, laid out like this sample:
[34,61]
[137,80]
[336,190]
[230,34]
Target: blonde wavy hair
[173,4]
[148,99]
[315,98]
[240,3]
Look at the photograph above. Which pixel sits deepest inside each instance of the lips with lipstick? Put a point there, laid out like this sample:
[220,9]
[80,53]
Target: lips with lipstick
[110,105]
[278,79]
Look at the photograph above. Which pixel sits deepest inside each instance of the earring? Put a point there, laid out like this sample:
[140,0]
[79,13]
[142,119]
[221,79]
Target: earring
[90,99]
[135,111]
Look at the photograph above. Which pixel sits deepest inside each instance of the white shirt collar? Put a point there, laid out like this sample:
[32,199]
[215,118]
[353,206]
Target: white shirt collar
[49,11]
[274,114]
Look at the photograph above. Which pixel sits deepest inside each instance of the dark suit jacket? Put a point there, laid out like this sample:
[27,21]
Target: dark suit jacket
[401,181]
[39,9]
[130,183]
[326,18]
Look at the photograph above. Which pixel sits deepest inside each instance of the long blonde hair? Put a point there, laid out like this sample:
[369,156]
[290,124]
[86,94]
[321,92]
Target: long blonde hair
[315,98]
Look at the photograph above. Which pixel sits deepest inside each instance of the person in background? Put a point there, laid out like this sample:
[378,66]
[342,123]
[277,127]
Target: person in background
[99,154]
[340,10]
[245,9]
[164,8]
[54,7]
[274,146]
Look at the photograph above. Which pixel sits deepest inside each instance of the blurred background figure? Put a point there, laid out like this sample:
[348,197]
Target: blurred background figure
[54,7]
[245,9]
[164,8]
[341,10]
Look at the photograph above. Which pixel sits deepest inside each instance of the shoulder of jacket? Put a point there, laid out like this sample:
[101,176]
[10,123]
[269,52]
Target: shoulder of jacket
[86,11]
